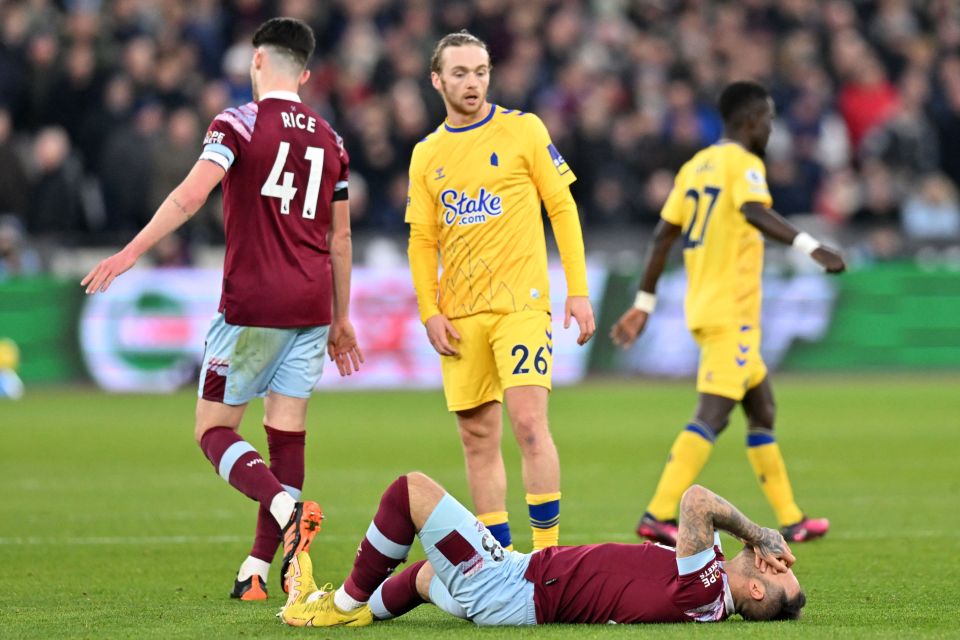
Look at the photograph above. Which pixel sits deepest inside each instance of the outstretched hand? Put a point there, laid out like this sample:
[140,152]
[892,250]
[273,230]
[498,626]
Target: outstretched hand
[343,348]
[829,259]
[629,327]
[102,275]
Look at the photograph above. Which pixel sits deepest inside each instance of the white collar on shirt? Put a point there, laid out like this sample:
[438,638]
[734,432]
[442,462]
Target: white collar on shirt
[281,95]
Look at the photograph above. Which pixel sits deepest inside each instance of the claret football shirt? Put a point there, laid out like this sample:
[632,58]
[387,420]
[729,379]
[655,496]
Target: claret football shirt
[284,168]
[629,583]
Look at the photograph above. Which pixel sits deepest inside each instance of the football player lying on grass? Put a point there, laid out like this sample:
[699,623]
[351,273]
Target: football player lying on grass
[469,575]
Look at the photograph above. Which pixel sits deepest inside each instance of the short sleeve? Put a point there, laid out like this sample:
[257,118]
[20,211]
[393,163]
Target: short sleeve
[343,178]
[420,209]
[749,183]
[672,210]
[226,135]
[701,584]
[550,172]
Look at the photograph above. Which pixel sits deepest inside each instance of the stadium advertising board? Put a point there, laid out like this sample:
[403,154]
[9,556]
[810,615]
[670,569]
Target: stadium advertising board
[146,334]
[796,308]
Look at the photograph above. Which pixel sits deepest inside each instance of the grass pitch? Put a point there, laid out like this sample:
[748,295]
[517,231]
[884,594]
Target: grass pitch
[113,525]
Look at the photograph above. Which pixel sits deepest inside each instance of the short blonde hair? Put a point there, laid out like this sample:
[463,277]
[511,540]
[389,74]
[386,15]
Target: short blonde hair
[461,38]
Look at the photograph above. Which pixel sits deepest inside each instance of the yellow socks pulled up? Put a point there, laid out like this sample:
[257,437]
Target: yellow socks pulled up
[771,472]
[544,511]
[688,456]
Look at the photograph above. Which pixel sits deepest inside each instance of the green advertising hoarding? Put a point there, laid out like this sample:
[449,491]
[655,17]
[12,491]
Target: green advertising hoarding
[895,316]
[40,315]
[887,317]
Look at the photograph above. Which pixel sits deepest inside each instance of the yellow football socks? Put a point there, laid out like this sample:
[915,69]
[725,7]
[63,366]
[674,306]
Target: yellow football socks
[689,454]
[544,519]
[771,472]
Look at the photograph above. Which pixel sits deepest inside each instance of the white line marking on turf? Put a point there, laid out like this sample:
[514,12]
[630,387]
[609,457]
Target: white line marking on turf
[582,538]
[141,540]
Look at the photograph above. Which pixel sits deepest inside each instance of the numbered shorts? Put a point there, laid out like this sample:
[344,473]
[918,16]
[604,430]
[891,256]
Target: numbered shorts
[240,363]
[475,577]
[497,351]
[730,361]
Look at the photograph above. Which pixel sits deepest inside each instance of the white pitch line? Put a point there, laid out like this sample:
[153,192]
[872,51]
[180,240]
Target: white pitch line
[619,536]
[138,540]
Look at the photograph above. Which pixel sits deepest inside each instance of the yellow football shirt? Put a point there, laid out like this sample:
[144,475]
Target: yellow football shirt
[722,252]
[481,186]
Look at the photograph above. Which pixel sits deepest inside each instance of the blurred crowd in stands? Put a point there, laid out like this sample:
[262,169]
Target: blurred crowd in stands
[103,105]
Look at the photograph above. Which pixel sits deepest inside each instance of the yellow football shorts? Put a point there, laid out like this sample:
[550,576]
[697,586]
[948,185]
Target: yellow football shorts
[730,361]
[497,351]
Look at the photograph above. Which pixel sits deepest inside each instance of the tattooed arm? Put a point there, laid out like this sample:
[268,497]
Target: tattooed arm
[702,512]
[180,205]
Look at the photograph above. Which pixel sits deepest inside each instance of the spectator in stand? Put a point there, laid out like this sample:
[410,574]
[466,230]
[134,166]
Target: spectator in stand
[13,175]
[55,210]
[16,257]
[932,211]
[622,86]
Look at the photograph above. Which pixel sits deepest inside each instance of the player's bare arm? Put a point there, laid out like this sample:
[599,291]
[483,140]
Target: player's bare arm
[702,512]
[634,320]
[342,342]
[182,203]
[774,226]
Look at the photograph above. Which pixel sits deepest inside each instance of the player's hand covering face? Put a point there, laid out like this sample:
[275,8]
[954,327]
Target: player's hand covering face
[771,552]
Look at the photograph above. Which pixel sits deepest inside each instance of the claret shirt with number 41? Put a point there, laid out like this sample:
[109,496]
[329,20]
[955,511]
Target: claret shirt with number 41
[285,166]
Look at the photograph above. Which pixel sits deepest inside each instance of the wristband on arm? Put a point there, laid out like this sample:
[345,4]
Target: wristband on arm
[806,243]
[645,302]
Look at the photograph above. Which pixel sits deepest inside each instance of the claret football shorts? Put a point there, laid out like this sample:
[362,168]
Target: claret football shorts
[497,351]
[730,361]
[240,363]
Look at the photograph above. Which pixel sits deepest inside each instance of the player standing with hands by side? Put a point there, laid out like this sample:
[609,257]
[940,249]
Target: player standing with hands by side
[286,286]
[720,204]
[476,187]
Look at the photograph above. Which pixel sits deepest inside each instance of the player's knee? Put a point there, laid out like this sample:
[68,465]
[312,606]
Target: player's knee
[417,479]
[714,424]
[533,435]
[478,444]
